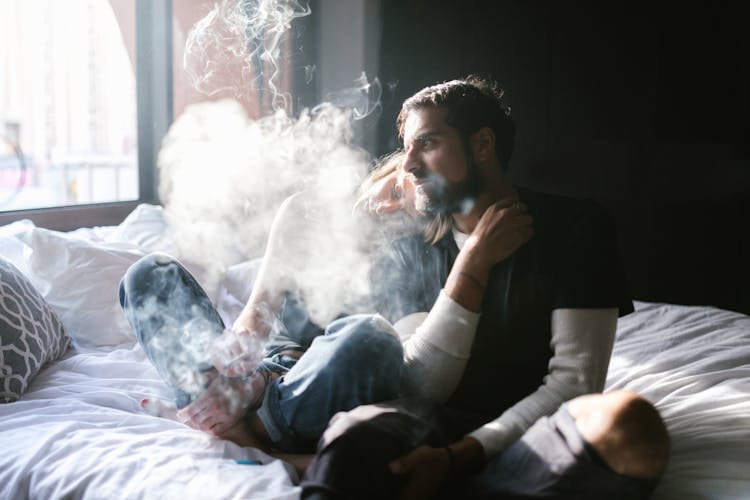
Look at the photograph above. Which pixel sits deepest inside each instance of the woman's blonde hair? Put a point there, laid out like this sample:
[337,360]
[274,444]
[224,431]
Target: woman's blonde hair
[384,167]
[436,226]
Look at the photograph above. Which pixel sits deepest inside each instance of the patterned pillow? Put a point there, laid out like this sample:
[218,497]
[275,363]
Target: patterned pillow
[30,333]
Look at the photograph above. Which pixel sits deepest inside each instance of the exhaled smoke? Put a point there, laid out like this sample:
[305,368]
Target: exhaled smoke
[363,97]
[224,175]
[246,34]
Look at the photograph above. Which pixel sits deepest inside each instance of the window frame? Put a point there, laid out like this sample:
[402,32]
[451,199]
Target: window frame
[153,55]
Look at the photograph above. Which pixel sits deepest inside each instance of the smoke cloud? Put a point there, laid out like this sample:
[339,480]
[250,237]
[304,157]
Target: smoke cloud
[362,98]
[223,175]
[242,33]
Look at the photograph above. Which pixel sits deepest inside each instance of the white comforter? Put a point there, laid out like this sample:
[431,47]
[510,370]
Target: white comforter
[79,432]
[693,363]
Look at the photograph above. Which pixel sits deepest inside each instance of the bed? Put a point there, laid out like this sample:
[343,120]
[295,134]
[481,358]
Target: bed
[78,430]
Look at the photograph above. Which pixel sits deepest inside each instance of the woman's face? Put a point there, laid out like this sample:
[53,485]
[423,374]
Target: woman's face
[392,193]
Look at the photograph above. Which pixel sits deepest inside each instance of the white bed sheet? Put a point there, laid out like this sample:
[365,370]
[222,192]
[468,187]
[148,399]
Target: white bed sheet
[79,432]
[693,363]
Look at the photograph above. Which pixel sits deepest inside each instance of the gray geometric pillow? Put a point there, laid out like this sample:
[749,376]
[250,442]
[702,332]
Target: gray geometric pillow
[30,333]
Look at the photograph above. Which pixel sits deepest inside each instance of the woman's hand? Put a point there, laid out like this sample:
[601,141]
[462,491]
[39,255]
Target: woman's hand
[237,352]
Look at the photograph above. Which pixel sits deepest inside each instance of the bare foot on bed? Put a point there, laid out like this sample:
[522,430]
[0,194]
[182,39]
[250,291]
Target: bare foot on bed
[159,408]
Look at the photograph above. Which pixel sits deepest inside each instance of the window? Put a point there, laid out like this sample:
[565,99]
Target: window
[77,128]
[87,94]
[67,105]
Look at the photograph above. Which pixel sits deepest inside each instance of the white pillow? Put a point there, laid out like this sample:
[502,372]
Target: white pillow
[80,279]
[11,245]
[146,228]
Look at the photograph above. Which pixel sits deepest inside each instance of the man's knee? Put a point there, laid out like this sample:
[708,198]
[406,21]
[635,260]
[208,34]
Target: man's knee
[626,430]
[345,420]
[353,456]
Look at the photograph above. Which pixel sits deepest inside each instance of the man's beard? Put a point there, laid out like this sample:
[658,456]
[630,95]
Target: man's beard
[437,196]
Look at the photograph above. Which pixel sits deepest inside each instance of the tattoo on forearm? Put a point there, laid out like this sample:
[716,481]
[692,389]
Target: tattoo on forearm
[473,279]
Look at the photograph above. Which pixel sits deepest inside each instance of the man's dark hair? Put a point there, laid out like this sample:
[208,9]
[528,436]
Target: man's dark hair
[470,104]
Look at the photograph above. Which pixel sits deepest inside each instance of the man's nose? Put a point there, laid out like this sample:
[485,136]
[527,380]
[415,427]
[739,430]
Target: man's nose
[411,161]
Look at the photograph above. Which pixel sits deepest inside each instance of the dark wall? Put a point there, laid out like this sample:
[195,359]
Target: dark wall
[644,106]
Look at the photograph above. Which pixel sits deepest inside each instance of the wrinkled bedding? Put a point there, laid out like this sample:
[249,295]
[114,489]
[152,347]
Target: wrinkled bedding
[693,363]
[79,432]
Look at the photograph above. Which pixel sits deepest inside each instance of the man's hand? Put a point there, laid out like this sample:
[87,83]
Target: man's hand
[428,468]
[501,230]
[222,404]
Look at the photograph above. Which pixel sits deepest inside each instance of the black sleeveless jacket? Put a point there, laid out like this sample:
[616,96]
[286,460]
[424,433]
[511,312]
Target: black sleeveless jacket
[571,262]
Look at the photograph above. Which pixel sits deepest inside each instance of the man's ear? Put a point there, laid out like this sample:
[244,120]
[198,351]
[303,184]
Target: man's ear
[483,145]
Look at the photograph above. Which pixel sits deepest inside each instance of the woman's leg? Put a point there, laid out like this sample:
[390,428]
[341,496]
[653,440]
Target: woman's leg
[174,321]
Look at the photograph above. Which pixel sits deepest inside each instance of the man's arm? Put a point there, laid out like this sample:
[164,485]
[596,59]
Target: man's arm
[582,341]
[436,353]
[439,350]
[583,330]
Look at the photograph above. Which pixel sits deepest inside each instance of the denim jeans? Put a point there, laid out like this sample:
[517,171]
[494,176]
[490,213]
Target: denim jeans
[355,360]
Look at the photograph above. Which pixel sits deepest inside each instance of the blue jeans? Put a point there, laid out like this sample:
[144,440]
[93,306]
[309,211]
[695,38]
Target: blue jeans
[354,361]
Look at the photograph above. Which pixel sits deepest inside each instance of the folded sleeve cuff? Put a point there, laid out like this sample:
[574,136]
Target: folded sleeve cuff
[497,435]
[449,327]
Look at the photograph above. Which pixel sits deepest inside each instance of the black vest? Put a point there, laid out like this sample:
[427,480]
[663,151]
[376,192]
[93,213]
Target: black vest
[571,262]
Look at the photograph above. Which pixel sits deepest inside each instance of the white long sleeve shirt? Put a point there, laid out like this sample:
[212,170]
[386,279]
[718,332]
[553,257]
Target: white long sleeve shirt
[440,347]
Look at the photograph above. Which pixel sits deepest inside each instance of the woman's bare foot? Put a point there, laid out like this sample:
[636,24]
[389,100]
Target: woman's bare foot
[159,408]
